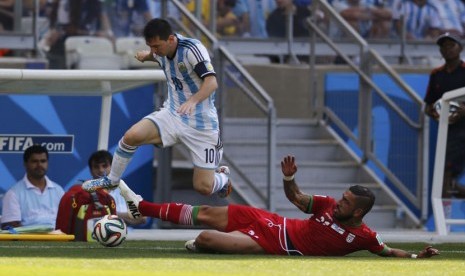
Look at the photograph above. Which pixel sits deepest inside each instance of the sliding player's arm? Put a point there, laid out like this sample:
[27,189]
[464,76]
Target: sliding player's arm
[428,252]
[293,193]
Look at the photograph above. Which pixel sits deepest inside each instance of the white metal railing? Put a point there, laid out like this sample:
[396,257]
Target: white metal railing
[440,220]
[78,83]
[368,87]
[257,95]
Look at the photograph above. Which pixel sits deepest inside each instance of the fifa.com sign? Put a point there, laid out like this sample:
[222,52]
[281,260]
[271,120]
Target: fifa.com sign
[18,143]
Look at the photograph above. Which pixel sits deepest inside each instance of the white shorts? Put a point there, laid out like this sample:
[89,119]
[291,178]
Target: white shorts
[205,146]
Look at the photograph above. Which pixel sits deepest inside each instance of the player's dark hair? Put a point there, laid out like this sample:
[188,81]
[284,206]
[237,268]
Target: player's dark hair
[100,156]
[33,150]
[365,197]
[157,27]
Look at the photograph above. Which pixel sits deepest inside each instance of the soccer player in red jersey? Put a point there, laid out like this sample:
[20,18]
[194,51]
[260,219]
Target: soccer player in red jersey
[335,228]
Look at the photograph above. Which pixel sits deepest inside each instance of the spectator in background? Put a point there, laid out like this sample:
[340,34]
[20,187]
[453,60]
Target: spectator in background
[204,12]
[6,15]
[381,19]
[28,7]
[34,199]
[452,16]
[303,3]
[396,8]
[73,18]
[6,21]
[241,11]
[259,9]
[445,78]
[368,18]
[99,166]
[155,9]
[419,18]
[276,23]
[227,23]
[128,17]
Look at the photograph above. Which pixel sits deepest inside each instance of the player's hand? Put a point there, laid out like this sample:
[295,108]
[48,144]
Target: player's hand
[457,115]
[288,166]
[435,115]
[144,55]
[431,111]
[428,252]
[187,108]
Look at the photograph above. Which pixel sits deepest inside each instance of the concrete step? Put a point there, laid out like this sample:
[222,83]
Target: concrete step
[311,171]
[302,149]
[324,167]
[256,128]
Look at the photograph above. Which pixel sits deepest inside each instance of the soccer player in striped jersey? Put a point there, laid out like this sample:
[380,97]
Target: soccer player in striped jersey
[188,115]
[334,227]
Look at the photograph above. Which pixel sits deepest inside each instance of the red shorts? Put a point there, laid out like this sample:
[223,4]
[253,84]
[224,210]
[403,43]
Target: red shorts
[266,228]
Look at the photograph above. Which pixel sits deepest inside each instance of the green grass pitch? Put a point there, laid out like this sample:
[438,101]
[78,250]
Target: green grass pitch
[170,258]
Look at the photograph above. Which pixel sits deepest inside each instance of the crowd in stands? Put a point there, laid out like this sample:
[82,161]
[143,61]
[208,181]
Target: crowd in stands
[372,19]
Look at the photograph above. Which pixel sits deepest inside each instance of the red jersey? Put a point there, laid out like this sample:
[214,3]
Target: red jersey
[322,235]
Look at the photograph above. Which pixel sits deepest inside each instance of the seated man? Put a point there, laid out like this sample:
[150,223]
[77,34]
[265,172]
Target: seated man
[34,199]
[99,165]
[335,229]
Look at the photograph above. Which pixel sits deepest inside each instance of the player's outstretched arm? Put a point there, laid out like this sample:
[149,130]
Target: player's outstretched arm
[428,252]
[293,193]
[144,55]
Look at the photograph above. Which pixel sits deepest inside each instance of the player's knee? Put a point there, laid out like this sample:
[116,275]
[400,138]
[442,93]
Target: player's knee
[203,188]
[204,240]
[131,137]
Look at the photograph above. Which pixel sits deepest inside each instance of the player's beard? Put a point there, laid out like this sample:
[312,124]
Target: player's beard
[343,218]
[340,217]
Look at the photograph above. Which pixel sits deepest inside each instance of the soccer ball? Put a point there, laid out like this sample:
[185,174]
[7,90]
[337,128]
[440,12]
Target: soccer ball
[110,231]
[453,107]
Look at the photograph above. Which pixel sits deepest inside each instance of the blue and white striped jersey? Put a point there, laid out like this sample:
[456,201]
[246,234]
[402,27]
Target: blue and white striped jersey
[451,14]
[183,82]
[419,19]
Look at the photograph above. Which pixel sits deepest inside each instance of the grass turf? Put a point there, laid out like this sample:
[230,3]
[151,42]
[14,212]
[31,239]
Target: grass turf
[170,258]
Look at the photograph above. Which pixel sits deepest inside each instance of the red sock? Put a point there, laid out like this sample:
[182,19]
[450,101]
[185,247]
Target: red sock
[174,212]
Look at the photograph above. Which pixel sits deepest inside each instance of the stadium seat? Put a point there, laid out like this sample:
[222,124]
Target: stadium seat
[42,25]
[127,47]
[91,52]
